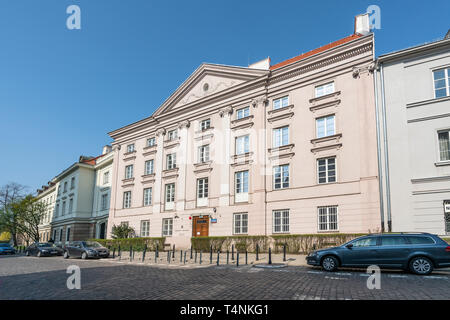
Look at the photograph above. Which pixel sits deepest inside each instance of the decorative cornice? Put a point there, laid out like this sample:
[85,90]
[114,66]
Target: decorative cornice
[225,111]
[259,100]
[160,131]
[184,124]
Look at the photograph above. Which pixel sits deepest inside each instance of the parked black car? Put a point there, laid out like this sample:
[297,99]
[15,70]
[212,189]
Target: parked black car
[417,252]
[85,249]
[5,248]
[41,249]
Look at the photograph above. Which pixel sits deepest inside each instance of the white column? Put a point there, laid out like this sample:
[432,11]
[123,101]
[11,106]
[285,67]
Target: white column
[158,188]
[182,161]
[223,153]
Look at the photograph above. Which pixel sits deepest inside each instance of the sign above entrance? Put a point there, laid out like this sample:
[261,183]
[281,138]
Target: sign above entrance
[213,220]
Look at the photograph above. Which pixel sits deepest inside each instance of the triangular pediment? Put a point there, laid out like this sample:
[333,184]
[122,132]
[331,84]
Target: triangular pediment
[206,81]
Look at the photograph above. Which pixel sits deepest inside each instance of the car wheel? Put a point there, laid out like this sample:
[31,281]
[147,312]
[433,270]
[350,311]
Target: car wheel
[84,256]
[66,255]
[39,254]
[329,263]
[421,265]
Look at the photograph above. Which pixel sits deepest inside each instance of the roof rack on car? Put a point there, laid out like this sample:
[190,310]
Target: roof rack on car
[404,232]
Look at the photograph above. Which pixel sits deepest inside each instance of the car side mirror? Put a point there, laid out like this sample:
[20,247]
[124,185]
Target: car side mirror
[349,246]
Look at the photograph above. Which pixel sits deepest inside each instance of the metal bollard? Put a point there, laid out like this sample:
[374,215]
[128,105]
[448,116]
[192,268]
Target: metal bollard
[270,256]
[185,257]
[143,253]
[232,252]
[168,256]
[218,256]
[131,253]
[228,255]
[191,252]
[120,253]
[284,252]
[257,252]
[195,256]
[200,257]
[210,255]
[156,252]
[114,253]
[246,257]
[181,256]
[173,253]
[237,258]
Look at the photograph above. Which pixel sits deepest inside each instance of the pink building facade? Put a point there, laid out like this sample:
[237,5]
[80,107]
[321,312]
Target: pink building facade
[266,149]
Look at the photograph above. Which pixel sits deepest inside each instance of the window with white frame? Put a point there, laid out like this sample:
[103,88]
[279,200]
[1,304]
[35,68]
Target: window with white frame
[148,167]
[70,205]
[242,144]
[240,223]
[145,228]
[202,188]
[326,170]
[280,221]
[127,199]
[242,113]
[106,177]
[147,196]
[129,171]
[172,135]
[125,223]
[281,177]
[324,89]
[280,103]
[151,142]
[241,181]
[280,137]
[441,79]
[203,153]
[325,126]
[170,192]
[205,124]
[171,161]
[167,227]
[328,218]
[130,148]
[444,145]
[104,201]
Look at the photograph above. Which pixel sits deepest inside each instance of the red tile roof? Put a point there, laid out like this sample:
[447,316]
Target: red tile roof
[315,51]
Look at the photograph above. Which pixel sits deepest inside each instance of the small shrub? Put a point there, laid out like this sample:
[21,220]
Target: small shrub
[138,244]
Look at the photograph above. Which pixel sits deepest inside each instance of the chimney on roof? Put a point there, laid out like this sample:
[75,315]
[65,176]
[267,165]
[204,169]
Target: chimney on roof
[362,25]
[107,149]
[447,36]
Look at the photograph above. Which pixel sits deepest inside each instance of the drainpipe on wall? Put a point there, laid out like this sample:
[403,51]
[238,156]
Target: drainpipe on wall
[386,152]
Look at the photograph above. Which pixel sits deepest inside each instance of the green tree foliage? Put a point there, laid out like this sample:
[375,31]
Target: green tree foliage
[122,231]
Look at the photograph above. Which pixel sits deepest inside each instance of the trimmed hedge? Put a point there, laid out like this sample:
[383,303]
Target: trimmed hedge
[137,243]
[295,243]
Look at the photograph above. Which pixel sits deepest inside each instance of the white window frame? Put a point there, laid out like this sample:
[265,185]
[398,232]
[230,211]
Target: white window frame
[326,120]
[72,183]
[148,167]
[242,113]
[205,124]
[70,205]
[68,234]
[130,148]
[242,144]
[241,188]
[202,191]
[169,196]
[63,210]
[327,171]
[328,88]
[327,221]
[283,226]
[279,135]
[148,194]
[238,223]
[440,152]
[151,141]
[171,161]
[447,81]
[104,201]
[126,200]
[145,228]
[105,177]
[280,103]
[167,227]
[129,171]
[282,170]
[172,135]
[203,153]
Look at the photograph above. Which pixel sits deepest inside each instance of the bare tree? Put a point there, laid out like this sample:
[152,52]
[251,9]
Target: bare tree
[10,194]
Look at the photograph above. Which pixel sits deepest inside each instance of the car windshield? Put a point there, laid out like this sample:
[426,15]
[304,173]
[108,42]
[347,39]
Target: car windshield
[4,245]
[92,244]
[45,244]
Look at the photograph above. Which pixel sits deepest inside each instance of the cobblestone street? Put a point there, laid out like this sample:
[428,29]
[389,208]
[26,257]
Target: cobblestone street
[45,278]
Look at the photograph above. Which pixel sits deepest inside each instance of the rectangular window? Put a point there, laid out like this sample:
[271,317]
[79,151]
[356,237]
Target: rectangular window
[171,161]
[203,153]
[281,177]
[147,196]
[72,183]
[205,124]
[280,137]
[130,147]
[148,167]
[57,210]
[127,199]
[326,169]
[104,204]
[63,208]
[68,234]
[324,89]
[243,113]
[241,181]
[129,172]
[328,220]
[170,192]
[202,188]
[65,186]
[242,144]
[441,79]
[240,223]
[145,228]
[280,221]
[172,135]
[280,103]
[325,126]
[151,142]
[167,227]
[444,145]
[70,205]
[106,177]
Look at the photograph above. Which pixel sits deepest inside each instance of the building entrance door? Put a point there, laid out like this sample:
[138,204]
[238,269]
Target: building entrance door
[200,226]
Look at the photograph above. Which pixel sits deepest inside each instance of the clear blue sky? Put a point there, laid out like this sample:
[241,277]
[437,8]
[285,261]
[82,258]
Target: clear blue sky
[62,90]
